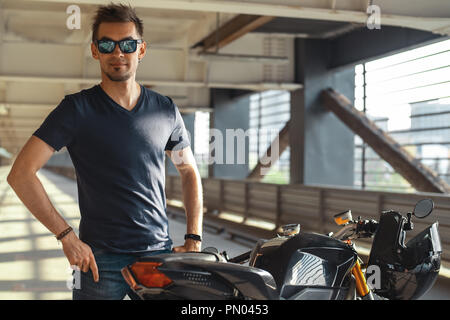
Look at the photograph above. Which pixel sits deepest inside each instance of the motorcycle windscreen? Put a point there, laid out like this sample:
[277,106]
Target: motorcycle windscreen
[387,239]
[416,267]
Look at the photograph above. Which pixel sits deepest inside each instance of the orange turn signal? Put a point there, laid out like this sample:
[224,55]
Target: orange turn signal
[343,217]
[340,221]
[148,274]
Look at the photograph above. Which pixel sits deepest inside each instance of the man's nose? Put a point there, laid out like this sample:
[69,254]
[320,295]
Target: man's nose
[117,51]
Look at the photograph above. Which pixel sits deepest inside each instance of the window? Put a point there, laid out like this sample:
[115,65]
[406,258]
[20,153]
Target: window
[269,112]
[408,96]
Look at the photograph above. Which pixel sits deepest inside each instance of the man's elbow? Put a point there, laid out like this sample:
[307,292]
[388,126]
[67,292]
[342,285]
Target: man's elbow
[17,174]
[189,171]
[11,178]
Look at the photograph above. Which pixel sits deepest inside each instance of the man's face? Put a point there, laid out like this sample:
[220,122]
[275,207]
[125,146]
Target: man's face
[118,66]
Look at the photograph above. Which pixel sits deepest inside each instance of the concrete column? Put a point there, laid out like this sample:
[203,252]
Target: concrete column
[231,111]
[297,137]
[322,147]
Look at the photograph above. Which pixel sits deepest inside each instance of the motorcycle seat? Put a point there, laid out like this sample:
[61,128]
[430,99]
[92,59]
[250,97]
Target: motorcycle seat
[181,256]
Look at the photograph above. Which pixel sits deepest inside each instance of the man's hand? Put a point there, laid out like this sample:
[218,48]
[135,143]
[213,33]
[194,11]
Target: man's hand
[190,245]
[79,254]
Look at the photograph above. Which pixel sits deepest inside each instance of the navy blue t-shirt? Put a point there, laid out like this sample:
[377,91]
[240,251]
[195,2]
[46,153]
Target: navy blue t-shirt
[118,156]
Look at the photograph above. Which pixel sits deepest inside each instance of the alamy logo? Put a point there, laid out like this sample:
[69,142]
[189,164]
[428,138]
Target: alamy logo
[74,20]
[373,277]
[74,281]
[374,18]
[232,147]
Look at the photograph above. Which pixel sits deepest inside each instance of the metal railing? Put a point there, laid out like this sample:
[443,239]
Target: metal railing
[313,206]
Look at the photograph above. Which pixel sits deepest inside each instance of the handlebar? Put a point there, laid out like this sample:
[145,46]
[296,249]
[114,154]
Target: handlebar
[366,228]
[357,229]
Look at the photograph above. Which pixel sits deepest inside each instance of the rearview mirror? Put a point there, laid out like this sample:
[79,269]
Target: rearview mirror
[423,208]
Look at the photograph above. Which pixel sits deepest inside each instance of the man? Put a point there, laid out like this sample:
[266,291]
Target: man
[116,134]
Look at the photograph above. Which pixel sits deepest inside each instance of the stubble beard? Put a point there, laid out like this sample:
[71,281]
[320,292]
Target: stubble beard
[118,76]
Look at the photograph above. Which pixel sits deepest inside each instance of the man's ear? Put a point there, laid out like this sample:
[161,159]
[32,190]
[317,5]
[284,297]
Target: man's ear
[142,50]
[94,51]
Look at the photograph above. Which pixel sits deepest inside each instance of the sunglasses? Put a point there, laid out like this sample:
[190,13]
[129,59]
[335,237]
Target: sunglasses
[126,46]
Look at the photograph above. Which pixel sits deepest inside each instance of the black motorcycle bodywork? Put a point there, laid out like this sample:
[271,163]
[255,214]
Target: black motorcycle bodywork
[207,276]
[307,266]
[407,271]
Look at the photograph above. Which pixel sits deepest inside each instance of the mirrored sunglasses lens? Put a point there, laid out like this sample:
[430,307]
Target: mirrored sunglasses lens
[106,46]
[128,46]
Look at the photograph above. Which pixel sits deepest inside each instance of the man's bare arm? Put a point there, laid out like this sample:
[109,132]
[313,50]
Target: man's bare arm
[23,180]
[191,184]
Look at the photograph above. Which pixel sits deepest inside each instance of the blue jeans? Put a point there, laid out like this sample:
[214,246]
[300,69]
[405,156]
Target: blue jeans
[111,284]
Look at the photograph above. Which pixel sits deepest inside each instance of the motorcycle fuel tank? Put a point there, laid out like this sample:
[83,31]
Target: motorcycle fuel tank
[306,266]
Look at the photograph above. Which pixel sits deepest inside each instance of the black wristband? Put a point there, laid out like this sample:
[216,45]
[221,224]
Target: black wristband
[192,236]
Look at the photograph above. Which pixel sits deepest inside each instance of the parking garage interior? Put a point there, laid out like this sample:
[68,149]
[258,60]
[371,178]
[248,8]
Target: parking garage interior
[296,110]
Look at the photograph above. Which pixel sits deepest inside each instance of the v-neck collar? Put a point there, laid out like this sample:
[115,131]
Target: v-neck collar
[132,111]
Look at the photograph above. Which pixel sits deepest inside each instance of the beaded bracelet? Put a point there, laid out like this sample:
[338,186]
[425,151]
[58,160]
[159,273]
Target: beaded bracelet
[64,233]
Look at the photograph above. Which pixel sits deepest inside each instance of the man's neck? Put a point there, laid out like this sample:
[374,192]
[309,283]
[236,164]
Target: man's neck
[125,93]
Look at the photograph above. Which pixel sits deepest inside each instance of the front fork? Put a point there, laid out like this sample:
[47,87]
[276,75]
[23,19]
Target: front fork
[361,285]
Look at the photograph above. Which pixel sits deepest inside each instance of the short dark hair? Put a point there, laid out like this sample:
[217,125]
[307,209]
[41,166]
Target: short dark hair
[116,13]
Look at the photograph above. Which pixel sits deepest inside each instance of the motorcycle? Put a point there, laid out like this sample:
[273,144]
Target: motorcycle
[303,266]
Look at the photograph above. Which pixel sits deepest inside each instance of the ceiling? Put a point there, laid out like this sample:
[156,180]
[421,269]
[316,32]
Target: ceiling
[41,59]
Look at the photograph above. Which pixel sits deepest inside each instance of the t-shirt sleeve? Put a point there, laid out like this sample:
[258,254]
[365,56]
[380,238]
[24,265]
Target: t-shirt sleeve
[59,128]
[179,138]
